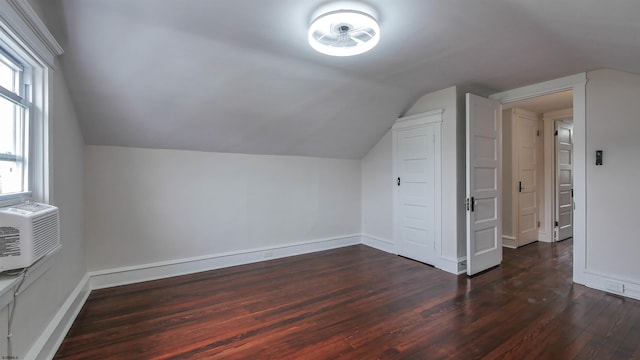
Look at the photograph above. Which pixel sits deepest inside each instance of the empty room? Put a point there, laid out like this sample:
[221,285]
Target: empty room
[206,179]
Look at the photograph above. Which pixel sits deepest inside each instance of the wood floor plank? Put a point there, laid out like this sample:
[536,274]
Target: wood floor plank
[360,303]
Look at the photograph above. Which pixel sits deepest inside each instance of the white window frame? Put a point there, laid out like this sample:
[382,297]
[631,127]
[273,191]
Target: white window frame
[22,98]
[35,136]
[25,37]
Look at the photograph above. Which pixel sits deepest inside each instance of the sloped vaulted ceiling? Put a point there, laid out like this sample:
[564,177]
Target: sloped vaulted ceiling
[239,76]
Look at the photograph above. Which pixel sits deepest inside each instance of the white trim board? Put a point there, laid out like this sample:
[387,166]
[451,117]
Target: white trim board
[380,244]
[419,120]
[509,242]
[51,338]
[612,284]
[154,271]
[453,266]
[20,19]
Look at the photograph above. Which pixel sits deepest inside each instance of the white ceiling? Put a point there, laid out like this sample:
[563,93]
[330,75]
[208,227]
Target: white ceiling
[239,76]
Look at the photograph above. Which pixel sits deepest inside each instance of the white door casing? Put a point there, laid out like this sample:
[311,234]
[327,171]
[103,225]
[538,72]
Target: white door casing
[577,84]
[564,180]
[484,147]
[417,198]
[526,186]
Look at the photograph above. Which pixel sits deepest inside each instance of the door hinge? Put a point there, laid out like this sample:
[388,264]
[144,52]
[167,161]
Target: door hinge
[556,133]
[538,133]
[557,224]
[538,224]
[469,204]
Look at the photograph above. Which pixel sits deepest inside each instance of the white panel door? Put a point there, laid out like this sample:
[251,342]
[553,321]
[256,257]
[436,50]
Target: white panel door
[415,184]
[527,144]
[484,146]
[564,180]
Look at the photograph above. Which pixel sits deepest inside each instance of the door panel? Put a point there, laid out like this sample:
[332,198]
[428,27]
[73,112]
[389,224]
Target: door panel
[564,179]
[527,150]
[415,151]
[484,232]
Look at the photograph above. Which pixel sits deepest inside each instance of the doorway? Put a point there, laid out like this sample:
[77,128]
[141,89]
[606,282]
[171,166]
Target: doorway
[538,160]
[576,84]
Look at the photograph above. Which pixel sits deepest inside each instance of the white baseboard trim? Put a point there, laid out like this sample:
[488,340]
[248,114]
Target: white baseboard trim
[380,244]
[154,271]
[611,284]
[544,237]
[509,242]
[454,266]
[53,335]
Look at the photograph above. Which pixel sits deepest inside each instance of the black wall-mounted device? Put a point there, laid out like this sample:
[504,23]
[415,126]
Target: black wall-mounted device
[598,157]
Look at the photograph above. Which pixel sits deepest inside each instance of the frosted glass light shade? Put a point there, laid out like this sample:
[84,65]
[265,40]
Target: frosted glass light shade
[344,33]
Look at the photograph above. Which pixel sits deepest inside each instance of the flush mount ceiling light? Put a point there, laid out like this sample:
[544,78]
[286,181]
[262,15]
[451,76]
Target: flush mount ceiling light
[344,32]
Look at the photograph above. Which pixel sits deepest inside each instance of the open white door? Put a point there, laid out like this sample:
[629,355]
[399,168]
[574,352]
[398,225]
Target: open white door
[484,147]
[564,179]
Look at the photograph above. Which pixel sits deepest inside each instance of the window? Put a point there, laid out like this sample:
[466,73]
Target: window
[14,127]
[28,54]
[23,126]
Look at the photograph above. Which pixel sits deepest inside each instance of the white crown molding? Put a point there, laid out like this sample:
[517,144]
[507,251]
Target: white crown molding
[417,120]
[543,88]
[19,18]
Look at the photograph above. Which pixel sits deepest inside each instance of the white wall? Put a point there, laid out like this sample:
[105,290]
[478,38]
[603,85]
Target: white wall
[147,206]
[612,125]
[377,195]
[40,302]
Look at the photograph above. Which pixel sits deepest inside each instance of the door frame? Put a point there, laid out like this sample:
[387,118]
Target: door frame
[430,118]
[576,83]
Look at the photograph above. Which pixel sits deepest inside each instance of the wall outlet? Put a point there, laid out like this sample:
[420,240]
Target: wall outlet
[614,287]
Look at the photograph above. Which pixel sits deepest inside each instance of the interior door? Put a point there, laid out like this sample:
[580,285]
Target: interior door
[564,179]
[484,147]
[415,183]
[527,149]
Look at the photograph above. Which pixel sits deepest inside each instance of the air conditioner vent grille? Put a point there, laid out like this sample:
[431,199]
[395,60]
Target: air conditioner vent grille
[45,234]
[9,241]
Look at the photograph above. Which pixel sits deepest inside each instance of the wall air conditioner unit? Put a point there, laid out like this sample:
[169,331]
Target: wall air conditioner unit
[28,232]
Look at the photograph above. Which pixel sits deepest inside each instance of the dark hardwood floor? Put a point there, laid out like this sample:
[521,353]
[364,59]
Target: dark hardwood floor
[360,303]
